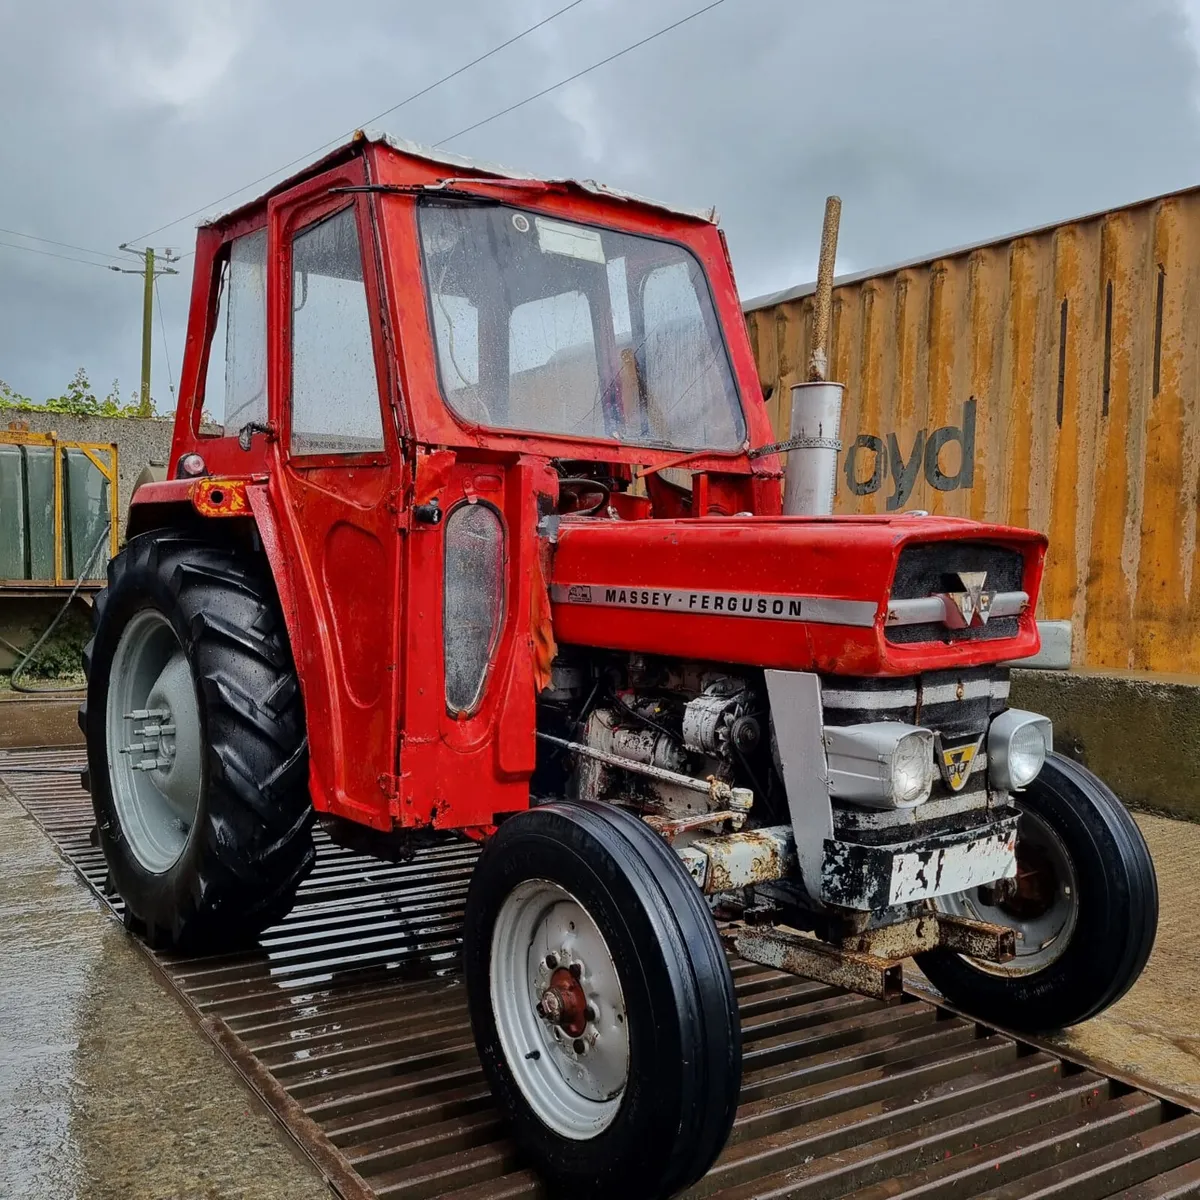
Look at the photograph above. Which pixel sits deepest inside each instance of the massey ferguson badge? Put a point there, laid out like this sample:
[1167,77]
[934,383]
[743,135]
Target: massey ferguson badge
[729,603]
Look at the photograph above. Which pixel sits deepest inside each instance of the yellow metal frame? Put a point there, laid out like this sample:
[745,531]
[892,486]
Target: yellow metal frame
[94,452]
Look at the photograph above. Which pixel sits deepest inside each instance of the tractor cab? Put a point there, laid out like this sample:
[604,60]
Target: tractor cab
[410,363]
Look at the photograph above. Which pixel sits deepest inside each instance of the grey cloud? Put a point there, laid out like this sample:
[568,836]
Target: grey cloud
[938,121]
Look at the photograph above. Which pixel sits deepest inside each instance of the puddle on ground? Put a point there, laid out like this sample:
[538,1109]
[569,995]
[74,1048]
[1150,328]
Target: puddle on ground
[106,1089]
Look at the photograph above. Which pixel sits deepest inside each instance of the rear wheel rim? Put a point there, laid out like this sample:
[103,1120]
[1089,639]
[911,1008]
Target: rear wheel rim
[153,737]
[559,1009]
[1045,920]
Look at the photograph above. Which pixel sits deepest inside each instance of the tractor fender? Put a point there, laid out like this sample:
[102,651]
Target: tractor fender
[173,503]
[156,502]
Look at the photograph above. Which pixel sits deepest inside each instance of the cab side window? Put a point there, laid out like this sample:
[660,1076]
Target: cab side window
[235,387]
[335,394]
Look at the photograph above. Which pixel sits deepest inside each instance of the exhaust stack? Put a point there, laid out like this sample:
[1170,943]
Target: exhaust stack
[810,479]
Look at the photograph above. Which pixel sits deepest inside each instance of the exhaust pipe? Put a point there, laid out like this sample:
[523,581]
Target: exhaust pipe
[810,478]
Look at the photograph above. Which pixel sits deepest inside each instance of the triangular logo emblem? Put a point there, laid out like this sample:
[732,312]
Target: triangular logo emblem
[980,602]
[973,601]
[955,762]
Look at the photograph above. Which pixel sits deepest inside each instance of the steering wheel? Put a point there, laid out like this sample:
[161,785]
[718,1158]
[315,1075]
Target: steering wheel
[571,493]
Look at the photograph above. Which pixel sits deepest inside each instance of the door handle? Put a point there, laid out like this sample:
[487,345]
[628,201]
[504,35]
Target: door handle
[428,514]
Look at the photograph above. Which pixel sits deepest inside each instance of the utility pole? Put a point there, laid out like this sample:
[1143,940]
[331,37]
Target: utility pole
[149,272]
[147,329]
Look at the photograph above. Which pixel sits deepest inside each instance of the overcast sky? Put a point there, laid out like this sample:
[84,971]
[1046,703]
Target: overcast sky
[939,122]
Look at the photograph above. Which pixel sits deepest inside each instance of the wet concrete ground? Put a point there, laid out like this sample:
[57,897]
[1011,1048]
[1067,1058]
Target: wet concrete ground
[37,720]
[107,1090]
[1154,1032]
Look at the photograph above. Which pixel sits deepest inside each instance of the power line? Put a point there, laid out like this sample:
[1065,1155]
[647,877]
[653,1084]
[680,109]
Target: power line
[162,329]
[308,155]
[579,74]
[51,242]
[87,262]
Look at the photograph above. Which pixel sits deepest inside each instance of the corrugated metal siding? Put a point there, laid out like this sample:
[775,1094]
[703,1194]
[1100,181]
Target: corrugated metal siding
[1075,350]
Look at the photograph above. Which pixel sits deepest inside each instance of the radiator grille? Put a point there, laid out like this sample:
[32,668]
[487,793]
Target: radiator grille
[955,704]
[930,569]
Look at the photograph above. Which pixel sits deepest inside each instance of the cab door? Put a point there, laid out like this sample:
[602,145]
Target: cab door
[339,475]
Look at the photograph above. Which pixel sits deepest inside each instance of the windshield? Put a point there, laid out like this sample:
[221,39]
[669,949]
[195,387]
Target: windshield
[552,327]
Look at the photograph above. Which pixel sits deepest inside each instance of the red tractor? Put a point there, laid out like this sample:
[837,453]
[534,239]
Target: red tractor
[490,541]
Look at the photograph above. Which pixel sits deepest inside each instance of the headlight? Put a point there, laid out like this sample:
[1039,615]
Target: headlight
[912,768]
[882,764]
[1018,743]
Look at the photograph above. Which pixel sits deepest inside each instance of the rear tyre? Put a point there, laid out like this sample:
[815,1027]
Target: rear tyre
[197,755]
[1085,909]
[602,1003]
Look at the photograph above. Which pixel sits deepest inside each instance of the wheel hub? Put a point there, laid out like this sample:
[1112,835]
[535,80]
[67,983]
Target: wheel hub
[155,747]
[1036,884]
[559,1009]
[154,739]
[1040,903]
[564,1003]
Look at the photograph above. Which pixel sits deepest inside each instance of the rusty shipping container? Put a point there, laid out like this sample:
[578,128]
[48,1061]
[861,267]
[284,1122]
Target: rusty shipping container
[1047,379]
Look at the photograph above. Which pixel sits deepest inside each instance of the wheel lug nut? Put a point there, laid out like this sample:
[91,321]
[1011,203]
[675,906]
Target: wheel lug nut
[590,1013]
[578,1046]
[552,961]
[576,969]
[551,1006]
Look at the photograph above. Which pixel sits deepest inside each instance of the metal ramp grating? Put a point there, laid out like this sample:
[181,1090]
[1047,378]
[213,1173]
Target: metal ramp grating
[349,1021]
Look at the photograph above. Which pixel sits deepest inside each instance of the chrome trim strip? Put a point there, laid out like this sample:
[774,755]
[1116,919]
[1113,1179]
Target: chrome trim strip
[932,610]
[906,697]
[864,701]
[765,606]
[1009,604]
[947,693]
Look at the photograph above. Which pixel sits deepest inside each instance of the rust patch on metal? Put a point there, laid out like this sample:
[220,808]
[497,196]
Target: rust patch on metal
[743,859]
[669,828]
[867,974]
[541,627]
[564,1003]
[977,939]
[903,939]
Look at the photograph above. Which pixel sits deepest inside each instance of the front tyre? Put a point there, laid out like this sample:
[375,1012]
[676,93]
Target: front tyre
[602,1003]
[197,755]
[1084,904]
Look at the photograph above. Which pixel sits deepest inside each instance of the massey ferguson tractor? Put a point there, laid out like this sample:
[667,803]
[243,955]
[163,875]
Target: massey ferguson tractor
[491,541]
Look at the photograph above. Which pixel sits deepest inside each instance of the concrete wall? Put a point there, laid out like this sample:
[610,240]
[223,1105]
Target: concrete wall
[1139,732]
[138,442]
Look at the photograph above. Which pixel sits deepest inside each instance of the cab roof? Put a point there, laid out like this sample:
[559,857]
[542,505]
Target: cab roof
[431,154]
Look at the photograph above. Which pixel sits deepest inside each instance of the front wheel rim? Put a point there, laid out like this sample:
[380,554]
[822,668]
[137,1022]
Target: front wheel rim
[1043,933]
[559,1009]
[153,739]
